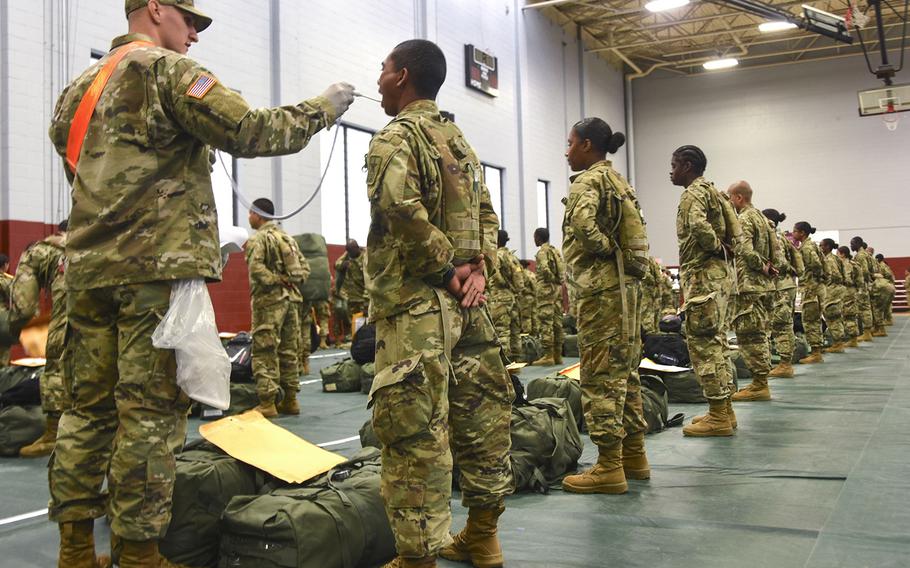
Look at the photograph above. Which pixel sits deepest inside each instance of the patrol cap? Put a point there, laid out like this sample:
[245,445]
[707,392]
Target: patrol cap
[202,21]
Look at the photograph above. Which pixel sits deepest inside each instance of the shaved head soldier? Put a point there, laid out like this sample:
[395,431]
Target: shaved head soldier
[143,216]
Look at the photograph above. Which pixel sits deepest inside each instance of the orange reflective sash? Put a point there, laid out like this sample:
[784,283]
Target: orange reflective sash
[86,108]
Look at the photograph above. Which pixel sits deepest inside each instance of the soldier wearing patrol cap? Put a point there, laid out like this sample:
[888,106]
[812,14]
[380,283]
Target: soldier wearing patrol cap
[136,148]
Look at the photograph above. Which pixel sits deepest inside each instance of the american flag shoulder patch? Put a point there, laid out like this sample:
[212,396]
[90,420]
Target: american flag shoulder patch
[202,86]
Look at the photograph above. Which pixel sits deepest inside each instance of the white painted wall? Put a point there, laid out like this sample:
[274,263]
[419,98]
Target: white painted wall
[321,41]
[793,133]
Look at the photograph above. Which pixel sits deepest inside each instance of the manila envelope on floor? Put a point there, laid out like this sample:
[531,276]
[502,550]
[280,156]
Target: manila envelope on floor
[252,439]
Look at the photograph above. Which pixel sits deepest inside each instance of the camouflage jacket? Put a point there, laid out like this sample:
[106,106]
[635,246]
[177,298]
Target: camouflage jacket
[408,252]
[814,263]
[834,270]
[551,273]
[509,278]
[276,266]
[850,272]
[142,202]
[791,263]
[353,285]
[40,268]
[530,283]
[591,226]
[6,282]
[867,264]
[699,226]
[758,247]
[886,271]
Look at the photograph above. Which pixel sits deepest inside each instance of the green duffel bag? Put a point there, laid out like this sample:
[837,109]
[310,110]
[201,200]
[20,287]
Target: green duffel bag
[655,400]
[19,427]
[558,386]
[368,437]
[207,479]
[14,375]
[682,387]
[570,346]
[801,348]
[317,286]
[243,397]
[546,444]
[344,376]
[530,349]
[368,373]
[337,520]
[569,325]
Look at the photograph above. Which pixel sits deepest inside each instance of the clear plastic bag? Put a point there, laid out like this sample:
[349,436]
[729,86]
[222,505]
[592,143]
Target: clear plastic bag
[188,327]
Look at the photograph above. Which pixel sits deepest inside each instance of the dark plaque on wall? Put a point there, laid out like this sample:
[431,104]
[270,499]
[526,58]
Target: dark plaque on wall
[481,71]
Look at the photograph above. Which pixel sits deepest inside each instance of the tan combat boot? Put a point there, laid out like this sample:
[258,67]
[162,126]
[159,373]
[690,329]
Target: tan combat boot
[879,332]
[606,476]
[812,358]
[545,361]
[477,544]
[757,390]
[866,336]
[782,371]
[44,445]
[852,343]
[306,367]
[715,423]
[557,354]
[634,460]
[425,562]
[139,554]
[323,343]
[836,348]
[731,416]
[77,546]
[267,408]
[289,404]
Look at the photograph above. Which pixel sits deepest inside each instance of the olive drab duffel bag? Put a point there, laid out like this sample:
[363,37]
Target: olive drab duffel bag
[344,376]
[207,479]
[368,437]
[530,349]
[558,386]
[655,400]
[367,374]
[337,520]
[317,285]
[19,427]
[570,346]
[546,444]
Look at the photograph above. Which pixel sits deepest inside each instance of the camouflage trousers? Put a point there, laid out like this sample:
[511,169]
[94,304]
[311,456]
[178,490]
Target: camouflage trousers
[814,295]
[881,294]
[126,417]
[322,318]
[508,327]
[276,333]
[441,388]
[526,304]
[343,319]
[54,399]
[834,312]
[851,325]
[4,356]
[865,307]
[649,313]
[751,315]
[549,315]
[782,335]
[304,342]
[610,385]
[705,306]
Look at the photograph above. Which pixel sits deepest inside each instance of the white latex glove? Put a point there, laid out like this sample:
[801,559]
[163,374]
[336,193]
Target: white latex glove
[341,95]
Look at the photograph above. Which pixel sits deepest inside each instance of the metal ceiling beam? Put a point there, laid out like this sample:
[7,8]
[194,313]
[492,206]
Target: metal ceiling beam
[546,3]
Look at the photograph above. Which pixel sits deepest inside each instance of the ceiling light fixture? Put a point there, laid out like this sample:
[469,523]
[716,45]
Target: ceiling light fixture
[714,64]
[661,5]
[768,27]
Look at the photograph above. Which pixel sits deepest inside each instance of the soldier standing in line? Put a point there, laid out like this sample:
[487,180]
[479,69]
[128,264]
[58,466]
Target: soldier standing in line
[6,280]
[606,247]
[41,268]
[504,288]
[867,265]
[551,275]
[130,238]
[350,286]
[757,259]
[812,288]
[528,301]
[852,279]
[277,269]
[836,290]
[881,294]
[889,276]
[790,269]
[704,246]
[441,386]
[669,298]
[305,327]
[650,298]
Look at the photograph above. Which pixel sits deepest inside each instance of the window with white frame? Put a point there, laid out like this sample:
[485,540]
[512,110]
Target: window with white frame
[543,203]
[493,178]
[345,206]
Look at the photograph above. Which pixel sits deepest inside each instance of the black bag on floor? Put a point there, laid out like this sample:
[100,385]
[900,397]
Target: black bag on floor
[19,427]
[363,346]
[530,349]
[207,479]
[655,400]
[667,349]
[337,520]
[240,352]
[14,375]
[25,393]
[344,376]
[570,346]
[546,444]
[557,386]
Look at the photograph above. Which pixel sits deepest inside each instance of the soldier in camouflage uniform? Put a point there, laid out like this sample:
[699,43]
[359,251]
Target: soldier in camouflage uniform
[650,298]
[350,286]
[852,280]
[6,280]
[441,386]
[505,287]
[881,295]
[277,269]
[789,270]
[41,268]
[606,247]
[757,259]
[669,299]
[867,265]
[527,301]
[837,291]
[551,274]
[143,216]
[812,288]
[323,310]
[706,233]
[305,328]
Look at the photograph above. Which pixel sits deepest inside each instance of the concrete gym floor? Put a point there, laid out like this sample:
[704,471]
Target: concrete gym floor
[819,477]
